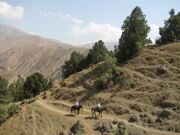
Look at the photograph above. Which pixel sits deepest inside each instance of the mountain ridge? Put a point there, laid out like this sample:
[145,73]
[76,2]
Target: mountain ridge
[24,54]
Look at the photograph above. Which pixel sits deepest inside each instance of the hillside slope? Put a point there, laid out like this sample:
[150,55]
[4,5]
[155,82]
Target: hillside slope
[146,100]
[149,88]
[24,54]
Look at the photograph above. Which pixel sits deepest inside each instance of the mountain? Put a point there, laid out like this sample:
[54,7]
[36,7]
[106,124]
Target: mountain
[144,101]
[23,54]
[109,45]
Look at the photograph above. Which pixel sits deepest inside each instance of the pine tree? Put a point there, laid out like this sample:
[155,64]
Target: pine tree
[171,30]
[74,64]
[134,35]
[98,53]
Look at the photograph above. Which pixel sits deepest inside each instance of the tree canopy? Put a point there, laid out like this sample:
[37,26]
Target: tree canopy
[134,35]
[98,53]
[78,61]
[74,64]
[34,84]
[3,90]
[171,30]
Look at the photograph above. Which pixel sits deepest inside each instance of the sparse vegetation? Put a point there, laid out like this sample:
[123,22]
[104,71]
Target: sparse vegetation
[140,94]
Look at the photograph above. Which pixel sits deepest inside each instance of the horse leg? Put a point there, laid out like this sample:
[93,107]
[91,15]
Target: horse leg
[99,114]
[71,110]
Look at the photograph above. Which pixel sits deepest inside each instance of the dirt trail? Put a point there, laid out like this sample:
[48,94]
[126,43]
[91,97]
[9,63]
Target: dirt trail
[34,122]
[84,117]
[81,117]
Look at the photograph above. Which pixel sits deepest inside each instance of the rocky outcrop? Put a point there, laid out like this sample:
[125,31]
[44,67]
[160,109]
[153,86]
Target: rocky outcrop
[114,127]
[78,128]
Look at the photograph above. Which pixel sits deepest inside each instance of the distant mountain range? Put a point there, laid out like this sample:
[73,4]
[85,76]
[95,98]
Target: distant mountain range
[23,54]
[109,45]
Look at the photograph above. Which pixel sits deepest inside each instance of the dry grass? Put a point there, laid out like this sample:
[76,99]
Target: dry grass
[151,85]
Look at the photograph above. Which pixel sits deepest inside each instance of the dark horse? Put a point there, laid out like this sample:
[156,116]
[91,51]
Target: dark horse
[97,109]
[75,108]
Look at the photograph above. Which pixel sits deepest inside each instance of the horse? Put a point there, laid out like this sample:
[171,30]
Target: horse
[75,108]
[99,110]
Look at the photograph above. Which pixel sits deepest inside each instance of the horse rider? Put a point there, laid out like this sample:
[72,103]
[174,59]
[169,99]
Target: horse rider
[76,103]
[99,106]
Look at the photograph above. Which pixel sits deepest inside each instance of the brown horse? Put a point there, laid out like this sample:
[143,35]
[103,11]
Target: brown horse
[75,109]
[99,110]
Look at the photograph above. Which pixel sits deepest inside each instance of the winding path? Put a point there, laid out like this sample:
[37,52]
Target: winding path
[45,104]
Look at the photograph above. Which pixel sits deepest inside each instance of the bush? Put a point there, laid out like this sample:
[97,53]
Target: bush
[7,111]
[3,109]
[3,117]
[13,109]
[101,82]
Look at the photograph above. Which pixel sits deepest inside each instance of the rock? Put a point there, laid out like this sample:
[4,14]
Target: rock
[159,120]
[164,114]
[161,70]
[78,128]
[121,128]
[115,121]
[104,127]
[134,118]
[168,104]
[62,133]
[136,107]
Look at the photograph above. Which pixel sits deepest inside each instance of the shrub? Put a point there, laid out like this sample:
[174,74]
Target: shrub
[3,117]
[101,82]
[7,111]
[13,109]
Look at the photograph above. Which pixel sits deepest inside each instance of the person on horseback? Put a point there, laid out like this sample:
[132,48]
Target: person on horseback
[99,106]
[76,103]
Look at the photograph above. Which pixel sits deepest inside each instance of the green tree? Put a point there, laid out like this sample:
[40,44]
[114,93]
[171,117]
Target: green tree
[3,86]
[171,30]
[16,89]
[34,84]
[3,90]
[97,54]
[134,35]
[74,64]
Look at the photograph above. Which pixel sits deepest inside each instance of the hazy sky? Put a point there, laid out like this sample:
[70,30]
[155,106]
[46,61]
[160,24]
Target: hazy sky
[82,21]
